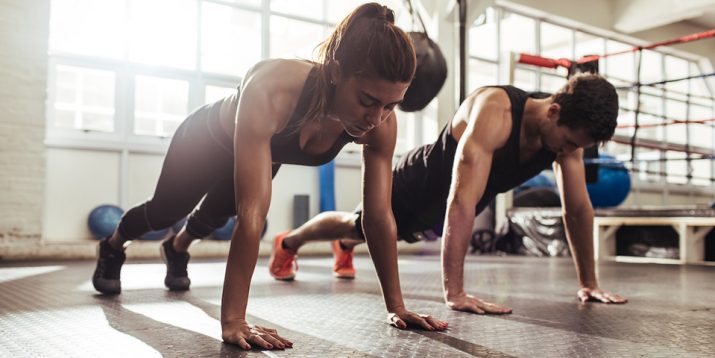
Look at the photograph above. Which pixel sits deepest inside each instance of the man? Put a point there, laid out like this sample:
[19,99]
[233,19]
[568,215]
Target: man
[500,137]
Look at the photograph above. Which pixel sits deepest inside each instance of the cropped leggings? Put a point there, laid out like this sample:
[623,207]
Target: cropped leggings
[198,169]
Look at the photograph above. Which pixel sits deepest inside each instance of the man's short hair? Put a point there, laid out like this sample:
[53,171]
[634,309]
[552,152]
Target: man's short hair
[590,102]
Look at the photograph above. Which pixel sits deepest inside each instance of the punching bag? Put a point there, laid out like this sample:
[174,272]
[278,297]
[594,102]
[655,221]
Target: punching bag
[430,74]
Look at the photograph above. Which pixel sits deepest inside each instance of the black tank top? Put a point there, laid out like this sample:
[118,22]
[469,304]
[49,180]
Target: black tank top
[285,145]
[423,176]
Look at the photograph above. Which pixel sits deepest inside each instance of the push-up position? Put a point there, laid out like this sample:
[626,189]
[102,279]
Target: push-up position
[500,137]
[225,154]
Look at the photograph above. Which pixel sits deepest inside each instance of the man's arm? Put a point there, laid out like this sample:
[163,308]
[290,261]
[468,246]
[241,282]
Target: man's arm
[578,220]
[488,128]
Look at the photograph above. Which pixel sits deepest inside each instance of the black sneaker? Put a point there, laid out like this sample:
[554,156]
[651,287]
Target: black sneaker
[177,279]
[109,266]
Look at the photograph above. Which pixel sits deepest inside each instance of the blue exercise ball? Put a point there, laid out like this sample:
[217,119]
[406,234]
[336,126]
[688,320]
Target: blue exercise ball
[103,220]
[537,181]
[613,184]
[224,232]
[155,235]
[178,225]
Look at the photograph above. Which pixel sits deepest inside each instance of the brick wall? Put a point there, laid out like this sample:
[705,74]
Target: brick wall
[24,28]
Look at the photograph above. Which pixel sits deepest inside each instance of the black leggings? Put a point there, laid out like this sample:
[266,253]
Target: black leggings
[199,164]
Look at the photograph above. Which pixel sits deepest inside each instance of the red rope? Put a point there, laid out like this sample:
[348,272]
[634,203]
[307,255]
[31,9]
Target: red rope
[564,62]
[543,61]
[667,123]
[679,40]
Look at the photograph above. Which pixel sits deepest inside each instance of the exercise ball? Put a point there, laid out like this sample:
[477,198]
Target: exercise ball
[155,234]
[430,74]
[103,220]
[613,184]
[224,232]
[537,181]
[178,225]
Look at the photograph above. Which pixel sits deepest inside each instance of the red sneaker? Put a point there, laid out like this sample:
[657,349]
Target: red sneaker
[343,261]
[282,264]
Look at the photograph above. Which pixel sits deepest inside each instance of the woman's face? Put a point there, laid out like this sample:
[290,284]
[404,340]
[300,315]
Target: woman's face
[362,104]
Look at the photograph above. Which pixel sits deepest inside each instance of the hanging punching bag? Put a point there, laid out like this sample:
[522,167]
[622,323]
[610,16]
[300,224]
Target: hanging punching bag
[430,74]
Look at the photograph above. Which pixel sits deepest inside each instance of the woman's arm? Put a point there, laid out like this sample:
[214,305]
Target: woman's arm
[379,223]
[252,184]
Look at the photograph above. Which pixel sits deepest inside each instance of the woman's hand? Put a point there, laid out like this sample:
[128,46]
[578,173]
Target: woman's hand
[240,333]
[469,303]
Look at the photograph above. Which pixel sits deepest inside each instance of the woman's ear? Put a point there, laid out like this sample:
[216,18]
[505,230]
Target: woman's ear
[334,73]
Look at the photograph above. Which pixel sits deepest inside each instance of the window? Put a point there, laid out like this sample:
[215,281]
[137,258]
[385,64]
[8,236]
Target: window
[230,39]
[84,99]
[121,76]
[160,105]
[556,41]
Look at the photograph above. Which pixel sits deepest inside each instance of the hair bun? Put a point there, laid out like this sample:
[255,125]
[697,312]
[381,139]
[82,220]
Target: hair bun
[379,12]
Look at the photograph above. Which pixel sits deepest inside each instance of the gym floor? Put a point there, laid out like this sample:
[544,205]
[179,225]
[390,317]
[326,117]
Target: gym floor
[51,310]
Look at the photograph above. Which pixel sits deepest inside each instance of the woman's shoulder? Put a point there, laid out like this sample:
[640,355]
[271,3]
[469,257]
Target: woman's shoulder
[277,74]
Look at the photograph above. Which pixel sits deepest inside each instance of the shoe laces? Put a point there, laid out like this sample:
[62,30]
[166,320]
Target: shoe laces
[288,259]
[344,258]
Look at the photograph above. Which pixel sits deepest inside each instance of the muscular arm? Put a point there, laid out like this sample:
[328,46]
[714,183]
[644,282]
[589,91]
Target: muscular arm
[252,184]
[487,130]
[379,223]
[578,221]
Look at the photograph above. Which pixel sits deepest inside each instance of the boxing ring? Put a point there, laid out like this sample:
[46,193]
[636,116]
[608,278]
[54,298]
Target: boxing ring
[690,226]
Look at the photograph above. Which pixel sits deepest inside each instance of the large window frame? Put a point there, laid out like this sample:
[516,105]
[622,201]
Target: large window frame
[124,140]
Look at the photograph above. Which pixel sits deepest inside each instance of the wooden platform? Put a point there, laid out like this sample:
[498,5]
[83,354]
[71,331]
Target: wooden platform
[691,225]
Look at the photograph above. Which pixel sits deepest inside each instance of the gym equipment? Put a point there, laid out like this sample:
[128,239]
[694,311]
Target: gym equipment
[155,235]
[103,220]
[224,232]
[178,225]
[613,184]
[538,181]
[430,75]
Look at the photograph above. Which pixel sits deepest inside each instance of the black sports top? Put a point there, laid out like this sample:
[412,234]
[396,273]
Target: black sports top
[285,145]
[423,176]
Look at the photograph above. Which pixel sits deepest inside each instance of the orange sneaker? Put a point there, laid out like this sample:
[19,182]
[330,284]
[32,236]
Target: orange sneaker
[343,261]
[282,264]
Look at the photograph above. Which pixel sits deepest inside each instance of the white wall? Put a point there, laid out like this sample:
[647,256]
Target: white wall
[23,83]
[80,180]
[77,181]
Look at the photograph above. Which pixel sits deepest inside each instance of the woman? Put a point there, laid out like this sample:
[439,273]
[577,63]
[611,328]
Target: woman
[292,112]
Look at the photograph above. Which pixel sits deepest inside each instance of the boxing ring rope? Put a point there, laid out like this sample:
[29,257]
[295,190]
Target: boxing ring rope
[568,64]
[633,140]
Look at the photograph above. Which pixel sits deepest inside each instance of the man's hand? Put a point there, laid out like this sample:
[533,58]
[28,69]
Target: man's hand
[599,295]
[469,303]
[402,318]
[239,332]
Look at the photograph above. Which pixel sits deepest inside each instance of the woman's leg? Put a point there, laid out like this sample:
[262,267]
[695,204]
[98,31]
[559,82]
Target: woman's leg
[193,156]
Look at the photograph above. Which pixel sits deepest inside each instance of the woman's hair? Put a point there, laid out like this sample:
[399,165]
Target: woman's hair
[367,44]
[589,102]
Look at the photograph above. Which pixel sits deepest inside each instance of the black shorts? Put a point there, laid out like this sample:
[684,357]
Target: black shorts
[409,228]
